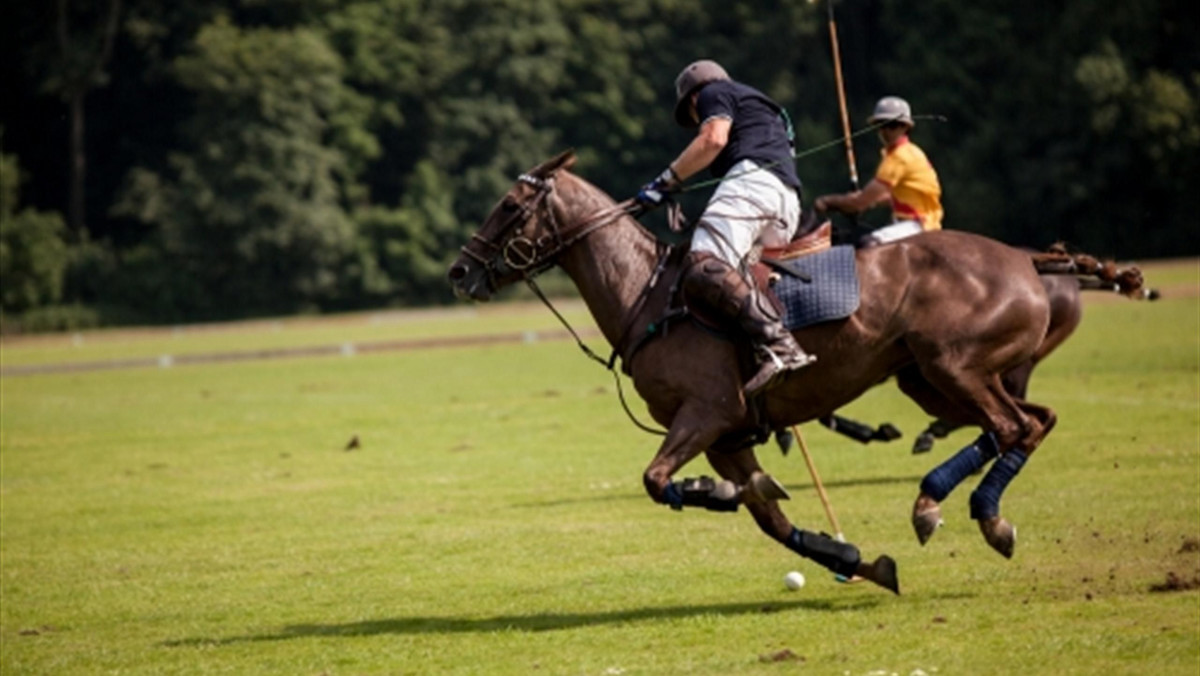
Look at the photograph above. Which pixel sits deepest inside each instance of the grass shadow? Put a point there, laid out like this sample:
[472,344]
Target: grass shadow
[871,481]
[534,622]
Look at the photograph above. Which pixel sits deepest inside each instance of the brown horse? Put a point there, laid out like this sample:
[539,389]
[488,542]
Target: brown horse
[946,312]
[1066,312]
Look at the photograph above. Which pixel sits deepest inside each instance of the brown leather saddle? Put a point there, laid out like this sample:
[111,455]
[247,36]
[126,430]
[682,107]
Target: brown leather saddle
[765,272]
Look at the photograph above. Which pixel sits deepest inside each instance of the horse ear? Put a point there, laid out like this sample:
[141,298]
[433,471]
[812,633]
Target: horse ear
[564,160]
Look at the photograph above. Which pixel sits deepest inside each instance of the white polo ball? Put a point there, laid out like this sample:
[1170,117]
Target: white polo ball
[794,580]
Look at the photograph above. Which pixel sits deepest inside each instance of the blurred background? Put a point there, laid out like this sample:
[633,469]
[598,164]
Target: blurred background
[196,160]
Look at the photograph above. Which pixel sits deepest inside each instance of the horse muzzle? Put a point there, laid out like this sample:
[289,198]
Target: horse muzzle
[469,281]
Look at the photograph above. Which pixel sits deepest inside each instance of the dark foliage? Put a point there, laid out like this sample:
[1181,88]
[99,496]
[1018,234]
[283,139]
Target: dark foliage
[247,157]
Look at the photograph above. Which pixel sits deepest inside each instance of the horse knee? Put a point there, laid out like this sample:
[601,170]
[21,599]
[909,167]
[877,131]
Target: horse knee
[656,486]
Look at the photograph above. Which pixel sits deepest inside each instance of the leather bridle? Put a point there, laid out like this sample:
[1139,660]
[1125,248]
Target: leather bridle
[528,256]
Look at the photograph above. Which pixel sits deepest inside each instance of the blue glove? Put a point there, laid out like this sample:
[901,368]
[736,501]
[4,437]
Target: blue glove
[655,192]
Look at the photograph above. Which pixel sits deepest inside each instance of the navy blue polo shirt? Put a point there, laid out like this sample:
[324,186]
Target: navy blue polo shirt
[757,133]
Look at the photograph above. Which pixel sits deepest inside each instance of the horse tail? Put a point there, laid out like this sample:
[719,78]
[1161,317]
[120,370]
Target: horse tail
[1093,273]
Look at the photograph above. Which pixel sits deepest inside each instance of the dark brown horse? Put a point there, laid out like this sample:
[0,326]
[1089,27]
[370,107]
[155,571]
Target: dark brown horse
[946,312]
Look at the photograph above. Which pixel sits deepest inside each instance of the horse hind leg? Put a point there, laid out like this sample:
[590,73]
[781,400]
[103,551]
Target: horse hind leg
[842,558]
[939,482]
[1065,315]
[937,485]
[1016,382]
[985,499]
[967,396]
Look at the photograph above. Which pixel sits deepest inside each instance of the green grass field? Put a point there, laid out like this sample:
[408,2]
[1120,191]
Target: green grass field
[207,519]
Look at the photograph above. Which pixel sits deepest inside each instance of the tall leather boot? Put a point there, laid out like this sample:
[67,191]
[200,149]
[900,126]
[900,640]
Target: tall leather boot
[715,285]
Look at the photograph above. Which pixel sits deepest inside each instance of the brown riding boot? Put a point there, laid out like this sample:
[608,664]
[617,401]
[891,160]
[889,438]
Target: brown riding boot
[719,288]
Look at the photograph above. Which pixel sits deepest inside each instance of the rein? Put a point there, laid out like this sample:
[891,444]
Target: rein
[531,258]
[591,354]
[806,152]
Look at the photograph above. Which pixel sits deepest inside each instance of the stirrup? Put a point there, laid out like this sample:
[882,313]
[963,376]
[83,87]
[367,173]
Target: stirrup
[797,359]
[769,372]
[801,360]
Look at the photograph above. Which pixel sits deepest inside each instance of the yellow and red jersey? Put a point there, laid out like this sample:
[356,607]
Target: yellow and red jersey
[916,192]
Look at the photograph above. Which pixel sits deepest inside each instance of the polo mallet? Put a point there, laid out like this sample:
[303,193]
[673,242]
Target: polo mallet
[833,522]
[841,91]
[812,470]
[844,111]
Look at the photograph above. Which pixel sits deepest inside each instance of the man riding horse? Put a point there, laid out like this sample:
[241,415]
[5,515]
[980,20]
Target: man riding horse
[947,314]
[905,179]
[742,137]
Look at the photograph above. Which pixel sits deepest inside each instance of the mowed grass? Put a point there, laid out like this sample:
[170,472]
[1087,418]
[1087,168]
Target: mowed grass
[207,519]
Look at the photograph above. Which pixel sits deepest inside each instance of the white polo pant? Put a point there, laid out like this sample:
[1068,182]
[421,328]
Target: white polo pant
[750,205]
[893,233]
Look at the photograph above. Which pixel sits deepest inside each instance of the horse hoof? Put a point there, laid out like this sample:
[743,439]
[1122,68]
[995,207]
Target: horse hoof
[763,487]
[1000,534]
[881,571]
[887,432]
[926,518]
[923,443]
[785,439]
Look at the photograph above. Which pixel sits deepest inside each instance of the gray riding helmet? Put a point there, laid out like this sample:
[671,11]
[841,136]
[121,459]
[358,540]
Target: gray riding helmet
[892,109]
[691,78]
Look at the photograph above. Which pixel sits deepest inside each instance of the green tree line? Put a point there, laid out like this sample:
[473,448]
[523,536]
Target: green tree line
[215,159]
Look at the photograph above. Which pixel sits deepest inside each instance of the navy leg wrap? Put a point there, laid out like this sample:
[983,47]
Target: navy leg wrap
[946,476]
[985,500]
[840,557]
[673,497]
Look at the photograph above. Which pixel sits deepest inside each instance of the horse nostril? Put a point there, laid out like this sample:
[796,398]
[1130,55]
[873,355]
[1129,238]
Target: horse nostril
[457,272]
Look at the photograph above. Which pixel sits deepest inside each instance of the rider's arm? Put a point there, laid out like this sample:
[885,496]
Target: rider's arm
[876,192]
[709,142]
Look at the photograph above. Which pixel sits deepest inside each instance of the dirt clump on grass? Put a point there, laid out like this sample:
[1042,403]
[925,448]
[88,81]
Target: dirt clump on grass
[1175,583]
[785,655]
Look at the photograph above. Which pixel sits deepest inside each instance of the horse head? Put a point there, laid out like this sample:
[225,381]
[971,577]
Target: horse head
[520,238]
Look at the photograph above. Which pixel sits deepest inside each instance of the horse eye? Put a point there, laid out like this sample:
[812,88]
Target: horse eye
[509,206]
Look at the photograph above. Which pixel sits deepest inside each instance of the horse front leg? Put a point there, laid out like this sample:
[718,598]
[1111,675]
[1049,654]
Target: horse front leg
[693,430]
[842,558]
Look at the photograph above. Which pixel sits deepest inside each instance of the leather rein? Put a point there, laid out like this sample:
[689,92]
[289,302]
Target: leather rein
[531,257]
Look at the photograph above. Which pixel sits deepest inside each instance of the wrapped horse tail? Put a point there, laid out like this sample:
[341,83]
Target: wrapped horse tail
[1058,261]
